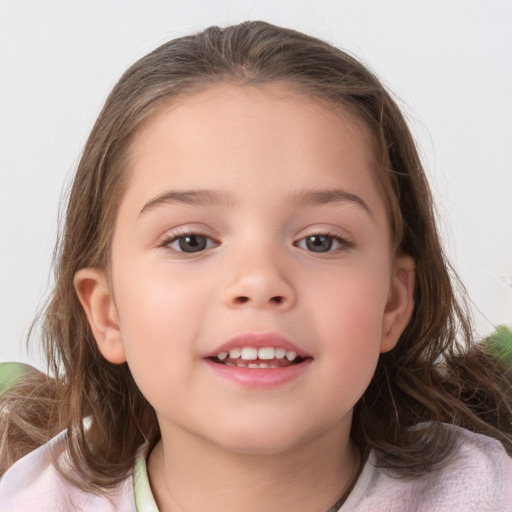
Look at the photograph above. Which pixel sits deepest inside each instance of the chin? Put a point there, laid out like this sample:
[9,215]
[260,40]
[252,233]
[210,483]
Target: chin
[258,439]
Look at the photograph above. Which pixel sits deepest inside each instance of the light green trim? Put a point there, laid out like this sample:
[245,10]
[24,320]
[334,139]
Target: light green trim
[144,500]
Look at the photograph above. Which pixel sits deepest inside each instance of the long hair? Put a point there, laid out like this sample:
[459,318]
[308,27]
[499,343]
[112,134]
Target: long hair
[435,374]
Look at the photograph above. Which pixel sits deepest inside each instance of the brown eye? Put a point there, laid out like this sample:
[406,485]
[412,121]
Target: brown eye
[191,243]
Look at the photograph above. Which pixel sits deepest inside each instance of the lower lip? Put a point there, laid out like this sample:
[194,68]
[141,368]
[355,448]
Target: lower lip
[259,377]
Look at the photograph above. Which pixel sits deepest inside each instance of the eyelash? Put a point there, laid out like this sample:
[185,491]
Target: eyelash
[332,239]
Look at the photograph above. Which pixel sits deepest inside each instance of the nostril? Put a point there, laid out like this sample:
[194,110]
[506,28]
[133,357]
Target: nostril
[278,299]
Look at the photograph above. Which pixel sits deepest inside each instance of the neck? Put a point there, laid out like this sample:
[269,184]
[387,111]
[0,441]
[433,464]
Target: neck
[189,474]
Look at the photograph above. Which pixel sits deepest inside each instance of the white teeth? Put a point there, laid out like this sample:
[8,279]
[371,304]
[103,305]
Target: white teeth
[249,353]
[253,354]
[290,355]
[234,353]
[280,353]
[266,353]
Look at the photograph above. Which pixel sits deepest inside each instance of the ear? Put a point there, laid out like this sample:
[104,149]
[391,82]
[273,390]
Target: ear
[92,288]
[400,303]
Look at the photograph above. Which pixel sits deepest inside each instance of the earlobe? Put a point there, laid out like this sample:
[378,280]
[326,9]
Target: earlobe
[400,303]
[92,288]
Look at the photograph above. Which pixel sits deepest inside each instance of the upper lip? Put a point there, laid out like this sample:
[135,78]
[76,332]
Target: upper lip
[258,340]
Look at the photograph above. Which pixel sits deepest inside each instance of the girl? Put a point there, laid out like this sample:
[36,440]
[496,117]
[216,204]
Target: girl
[252,309]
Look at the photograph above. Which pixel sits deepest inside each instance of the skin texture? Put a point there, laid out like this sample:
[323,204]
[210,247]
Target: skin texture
[261,149]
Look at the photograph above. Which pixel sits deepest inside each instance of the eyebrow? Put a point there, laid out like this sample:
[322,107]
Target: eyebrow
[214,197]
[192,197]
[328,196]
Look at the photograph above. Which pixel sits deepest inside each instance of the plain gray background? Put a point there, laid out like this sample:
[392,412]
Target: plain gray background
[448,62]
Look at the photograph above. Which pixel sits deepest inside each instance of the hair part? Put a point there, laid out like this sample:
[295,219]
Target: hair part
[417,385]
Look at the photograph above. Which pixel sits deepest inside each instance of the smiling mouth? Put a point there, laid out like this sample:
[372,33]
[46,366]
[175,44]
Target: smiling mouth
[264,357]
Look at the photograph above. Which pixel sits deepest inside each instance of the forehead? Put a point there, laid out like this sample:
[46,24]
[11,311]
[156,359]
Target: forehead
[230,134]
[238,104]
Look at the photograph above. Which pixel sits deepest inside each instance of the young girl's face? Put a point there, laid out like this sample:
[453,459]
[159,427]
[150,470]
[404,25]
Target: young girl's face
[253,284]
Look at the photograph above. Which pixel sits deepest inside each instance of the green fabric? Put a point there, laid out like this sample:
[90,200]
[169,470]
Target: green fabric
[10,373]
[499,345]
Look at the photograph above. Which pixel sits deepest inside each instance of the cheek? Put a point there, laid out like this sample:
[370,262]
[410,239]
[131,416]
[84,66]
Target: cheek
[355,296]
[152,300]
[158,318]
[349,316]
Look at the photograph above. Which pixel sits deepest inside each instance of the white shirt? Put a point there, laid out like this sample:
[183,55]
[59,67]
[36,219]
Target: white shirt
[479,479]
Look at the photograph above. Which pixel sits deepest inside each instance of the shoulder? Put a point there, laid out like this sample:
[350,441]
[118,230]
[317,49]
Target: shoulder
[34,484]
[480,452]
[477,478]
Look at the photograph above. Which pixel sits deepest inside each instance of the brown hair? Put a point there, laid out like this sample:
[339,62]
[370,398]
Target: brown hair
[427,379]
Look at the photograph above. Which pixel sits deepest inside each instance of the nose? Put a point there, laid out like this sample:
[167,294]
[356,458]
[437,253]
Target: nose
[258,280]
